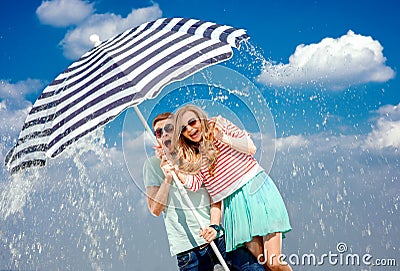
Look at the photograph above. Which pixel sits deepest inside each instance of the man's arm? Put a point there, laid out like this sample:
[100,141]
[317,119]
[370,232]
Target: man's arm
[157,182]
[157,196]
[209,233]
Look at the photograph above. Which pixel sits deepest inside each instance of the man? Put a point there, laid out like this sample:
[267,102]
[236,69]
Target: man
[191,249]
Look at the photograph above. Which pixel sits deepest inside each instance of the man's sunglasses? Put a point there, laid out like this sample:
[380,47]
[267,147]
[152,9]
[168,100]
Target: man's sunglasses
[168,128]
[191,122]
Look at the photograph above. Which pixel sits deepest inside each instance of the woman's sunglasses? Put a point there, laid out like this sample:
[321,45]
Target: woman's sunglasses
[191,122]
[168,128]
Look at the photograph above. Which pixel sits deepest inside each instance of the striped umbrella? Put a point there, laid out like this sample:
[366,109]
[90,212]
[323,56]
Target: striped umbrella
[119,73]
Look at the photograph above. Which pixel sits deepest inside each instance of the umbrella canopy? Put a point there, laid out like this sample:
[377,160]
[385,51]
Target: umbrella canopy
[119,73]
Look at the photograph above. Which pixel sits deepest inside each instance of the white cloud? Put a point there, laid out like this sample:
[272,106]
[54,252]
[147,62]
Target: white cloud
[386,132]
[136,149]
[384,135]
[14,106]
[12,120]
[333,64]
[294,141]
[76,42]
[392,112]
[62,13]
[20,89]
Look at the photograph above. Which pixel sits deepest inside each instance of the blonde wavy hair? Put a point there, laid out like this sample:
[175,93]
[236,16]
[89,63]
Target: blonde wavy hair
[189,155]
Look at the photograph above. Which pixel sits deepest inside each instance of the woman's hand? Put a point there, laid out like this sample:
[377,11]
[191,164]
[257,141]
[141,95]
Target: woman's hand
[208,233]
[218,127]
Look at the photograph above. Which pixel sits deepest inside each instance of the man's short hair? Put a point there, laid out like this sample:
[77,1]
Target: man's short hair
[160,117]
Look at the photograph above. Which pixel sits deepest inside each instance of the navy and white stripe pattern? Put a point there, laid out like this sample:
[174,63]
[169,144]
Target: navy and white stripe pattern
[121,72]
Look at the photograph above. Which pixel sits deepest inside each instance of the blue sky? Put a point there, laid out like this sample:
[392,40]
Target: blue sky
[328,72]
[276,28]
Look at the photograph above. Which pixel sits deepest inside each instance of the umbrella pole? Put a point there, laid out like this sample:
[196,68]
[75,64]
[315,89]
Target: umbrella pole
[184,194]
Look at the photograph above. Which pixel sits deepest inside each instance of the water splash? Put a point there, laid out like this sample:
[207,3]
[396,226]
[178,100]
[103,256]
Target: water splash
[14,195]
[68,201]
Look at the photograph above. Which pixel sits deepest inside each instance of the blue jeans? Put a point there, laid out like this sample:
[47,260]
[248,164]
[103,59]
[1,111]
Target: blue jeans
[205,259]
[202,259]
[241,259]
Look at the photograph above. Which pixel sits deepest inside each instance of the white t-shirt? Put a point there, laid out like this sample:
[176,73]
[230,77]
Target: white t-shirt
[180,223]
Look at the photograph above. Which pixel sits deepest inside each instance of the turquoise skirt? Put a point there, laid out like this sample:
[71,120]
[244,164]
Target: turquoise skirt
[256,209]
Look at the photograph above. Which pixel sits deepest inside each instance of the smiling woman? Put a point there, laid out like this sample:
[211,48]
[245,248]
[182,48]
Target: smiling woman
[216,153]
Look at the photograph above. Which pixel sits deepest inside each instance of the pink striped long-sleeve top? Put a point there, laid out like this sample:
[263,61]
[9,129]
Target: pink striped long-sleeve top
[233,168]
